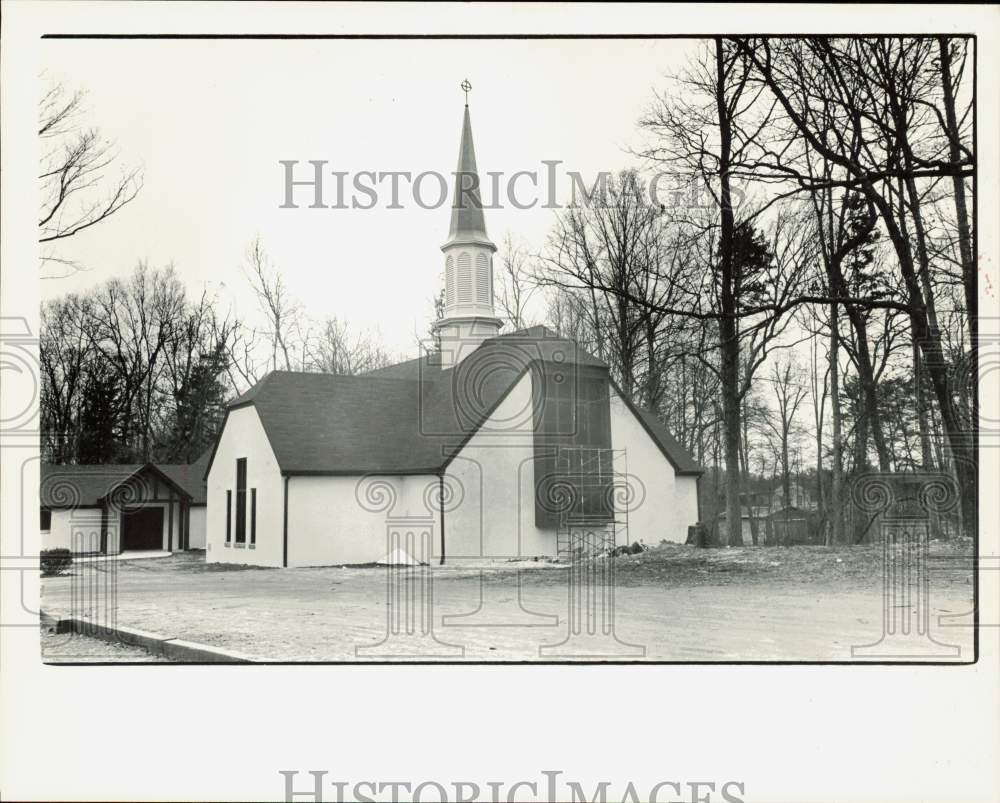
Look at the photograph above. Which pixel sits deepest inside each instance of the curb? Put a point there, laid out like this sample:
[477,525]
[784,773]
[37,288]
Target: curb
[176,649]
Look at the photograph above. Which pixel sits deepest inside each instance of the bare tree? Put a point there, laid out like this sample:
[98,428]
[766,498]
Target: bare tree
[336,350]
[606,249]
[79,186]
[789,392]
[131,370]
[515,285]
[65,351]
[242,344]
[883,94]
[710,141]
[819,378]
[282,312]
[131,324]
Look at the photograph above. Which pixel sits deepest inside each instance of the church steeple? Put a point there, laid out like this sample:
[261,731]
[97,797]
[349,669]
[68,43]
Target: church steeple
[467,221]
[469,317]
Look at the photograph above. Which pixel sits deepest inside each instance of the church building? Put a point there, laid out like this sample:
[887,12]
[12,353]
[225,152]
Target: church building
[498,445]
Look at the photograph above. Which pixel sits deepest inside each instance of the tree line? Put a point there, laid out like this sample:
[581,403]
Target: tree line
[136,369]
[807,286]
[824,204]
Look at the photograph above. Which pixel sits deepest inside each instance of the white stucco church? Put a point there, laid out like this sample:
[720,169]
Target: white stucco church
[500,445]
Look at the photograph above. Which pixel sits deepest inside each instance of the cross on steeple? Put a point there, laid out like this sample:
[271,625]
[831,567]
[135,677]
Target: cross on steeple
[469,312]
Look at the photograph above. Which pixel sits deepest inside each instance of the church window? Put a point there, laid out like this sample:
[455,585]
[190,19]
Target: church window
[241,500]
[253,516]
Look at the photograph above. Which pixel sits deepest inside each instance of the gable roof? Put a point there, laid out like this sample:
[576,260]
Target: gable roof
[73,486]
[190,476]
[409,418]
[678,456]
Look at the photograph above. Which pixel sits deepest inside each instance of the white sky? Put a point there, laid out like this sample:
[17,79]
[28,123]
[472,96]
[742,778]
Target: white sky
[209,121]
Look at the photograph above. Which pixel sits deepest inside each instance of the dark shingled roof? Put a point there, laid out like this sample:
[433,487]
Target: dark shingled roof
[190,476]
[68,486]
[680,458]
[80,486]
[411,417]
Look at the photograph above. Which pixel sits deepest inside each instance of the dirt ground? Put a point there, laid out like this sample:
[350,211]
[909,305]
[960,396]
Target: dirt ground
[72,648]
[673,603]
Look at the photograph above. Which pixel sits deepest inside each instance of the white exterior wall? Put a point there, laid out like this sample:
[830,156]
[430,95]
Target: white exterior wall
[80,529]
[460,337]
[666,504]
[344,520]
[244,436]
[196,526]
[58,534]
[331,521]
[496,476]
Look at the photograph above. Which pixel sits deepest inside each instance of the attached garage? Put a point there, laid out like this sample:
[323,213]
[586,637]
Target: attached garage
[142,529]
[111,509]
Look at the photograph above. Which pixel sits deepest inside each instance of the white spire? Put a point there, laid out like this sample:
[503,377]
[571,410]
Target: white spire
[469,317]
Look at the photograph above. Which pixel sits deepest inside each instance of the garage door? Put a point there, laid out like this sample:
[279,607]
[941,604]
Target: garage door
[142,529]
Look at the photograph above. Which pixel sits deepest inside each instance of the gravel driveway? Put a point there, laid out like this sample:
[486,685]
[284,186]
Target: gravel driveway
[670,604]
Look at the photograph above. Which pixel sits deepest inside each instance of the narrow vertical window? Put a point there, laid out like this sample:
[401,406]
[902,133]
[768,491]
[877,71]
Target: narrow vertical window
[253,515]
[241,500]
[464,278]
[483,279]
[229,516]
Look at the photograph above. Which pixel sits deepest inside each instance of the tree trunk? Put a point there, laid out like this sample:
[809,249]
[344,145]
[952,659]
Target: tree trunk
[728,338]
[936,364]
[786,479]
[937,367]
[861,463]
[965,244]
[866,371]
[965,469]
[820,500]
[744,483]
[866,376]
[836,511]
[926,453]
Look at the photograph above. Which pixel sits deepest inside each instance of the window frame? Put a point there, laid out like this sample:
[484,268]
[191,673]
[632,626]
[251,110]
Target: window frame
[253,517]
[241,501]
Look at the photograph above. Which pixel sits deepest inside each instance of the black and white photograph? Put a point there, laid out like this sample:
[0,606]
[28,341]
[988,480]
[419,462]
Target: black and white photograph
[576,357]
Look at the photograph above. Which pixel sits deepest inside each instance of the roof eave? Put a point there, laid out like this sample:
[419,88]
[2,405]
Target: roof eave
[160,475]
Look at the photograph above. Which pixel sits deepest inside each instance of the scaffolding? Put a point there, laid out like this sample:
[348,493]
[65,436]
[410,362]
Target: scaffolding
[594,520]
[588,533]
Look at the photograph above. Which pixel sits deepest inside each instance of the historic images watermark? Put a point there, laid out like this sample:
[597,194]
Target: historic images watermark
[93,582]
[409,583]
[313,184]
[314,785]
[904,511]
[534,445]
[19,434]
